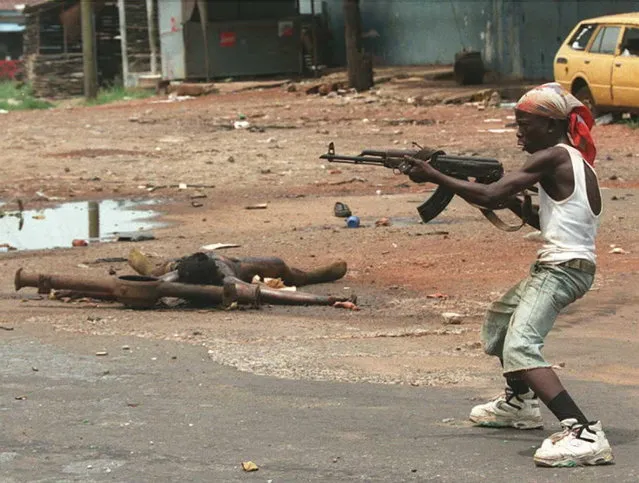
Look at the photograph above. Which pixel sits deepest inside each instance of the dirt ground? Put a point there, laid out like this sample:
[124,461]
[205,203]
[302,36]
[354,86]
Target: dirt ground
[405,275]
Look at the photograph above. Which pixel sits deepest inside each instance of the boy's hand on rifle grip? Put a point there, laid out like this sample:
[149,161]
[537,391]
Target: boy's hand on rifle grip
[421,171]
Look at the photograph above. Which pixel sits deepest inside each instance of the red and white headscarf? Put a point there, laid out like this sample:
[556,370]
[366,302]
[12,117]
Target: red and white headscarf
[553,101]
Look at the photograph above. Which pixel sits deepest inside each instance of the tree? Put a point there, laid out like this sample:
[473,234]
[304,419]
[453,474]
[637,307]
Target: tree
[359,63]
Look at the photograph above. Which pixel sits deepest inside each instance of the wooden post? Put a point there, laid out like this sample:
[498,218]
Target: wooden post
[123,43]
[314,35]
[360,66]
[152,29]
[203,7]
[88,51]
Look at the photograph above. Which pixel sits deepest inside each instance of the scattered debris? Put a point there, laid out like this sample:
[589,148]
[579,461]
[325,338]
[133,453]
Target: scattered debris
[534,236]
[452,318]
[355,179]
[352,222]
[134,236]
[346,305]
[219,246]
[341,210]
[241,124]
[604,120]
[618,250]
[249,466]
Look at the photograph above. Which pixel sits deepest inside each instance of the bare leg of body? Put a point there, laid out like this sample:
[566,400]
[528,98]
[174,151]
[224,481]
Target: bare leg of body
[273,267]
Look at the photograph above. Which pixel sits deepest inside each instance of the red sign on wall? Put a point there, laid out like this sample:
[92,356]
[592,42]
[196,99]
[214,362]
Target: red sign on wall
[227,39]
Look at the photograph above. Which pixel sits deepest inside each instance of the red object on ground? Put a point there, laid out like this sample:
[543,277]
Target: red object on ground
[79,243]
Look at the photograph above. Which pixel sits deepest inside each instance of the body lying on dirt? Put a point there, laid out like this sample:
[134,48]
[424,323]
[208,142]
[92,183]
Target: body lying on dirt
[215,269]
[198,278]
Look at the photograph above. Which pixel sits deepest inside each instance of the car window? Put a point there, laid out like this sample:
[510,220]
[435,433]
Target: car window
[606,40]
[579,41]
[630,42]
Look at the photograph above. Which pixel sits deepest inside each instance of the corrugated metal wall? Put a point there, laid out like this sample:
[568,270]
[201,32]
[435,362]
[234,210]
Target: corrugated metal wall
[518,38]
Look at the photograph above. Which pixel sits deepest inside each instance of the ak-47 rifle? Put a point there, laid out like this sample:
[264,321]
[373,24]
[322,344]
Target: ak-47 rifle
[482,170]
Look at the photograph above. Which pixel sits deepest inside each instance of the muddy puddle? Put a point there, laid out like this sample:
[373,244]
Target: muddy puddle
[92,221]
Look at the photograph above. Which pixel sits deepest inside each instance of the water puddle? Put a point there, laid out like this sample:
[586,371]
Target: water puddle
[58,226]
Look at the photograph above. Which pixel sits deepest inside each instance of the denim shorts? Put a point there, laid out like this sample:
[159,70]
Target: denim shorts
[517,324]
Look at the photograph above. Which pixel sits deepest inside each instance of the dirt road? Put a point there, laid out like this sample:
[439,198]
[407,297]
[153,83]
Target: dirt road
[146,149]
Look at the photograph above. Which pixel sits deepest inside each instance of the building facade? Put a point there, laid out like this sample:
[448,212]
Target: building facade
[517,38]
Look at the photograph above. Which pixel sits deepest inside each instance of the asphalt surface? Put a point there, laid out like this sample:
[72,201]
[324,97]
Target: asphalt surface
[163,411]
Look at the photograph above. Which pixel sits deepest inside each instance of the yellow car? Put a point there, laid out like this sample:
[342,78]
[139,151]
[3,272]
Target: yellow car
[599,63]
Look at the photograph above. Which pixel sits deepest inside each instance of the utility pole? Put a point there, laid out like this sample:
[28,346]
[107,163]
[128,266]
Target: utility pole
[123,43]
[152,29]
[360,64]
[88,51]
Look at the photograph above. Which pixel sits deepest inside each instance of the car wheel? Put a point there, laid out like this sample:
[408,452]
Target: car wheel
[585,96]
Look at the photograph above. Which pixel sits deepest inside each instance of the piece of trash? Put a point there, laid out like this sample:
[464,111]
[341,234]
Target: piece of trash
[437,295]
[261,206]
[534,236]
[618,250]
[126,348]
[241,124]
[508,105]
[355,179]
[5,247]
[21,398]
[4,327]
[346,305]
[448,420]
[496,131]
[134,237]
[3,111]
[352,222]
[452,318]
[378,192]
[79,243]
[492,120]
[383,222]
[342,210]
[101,353]
[197,196]
[182,186]
[219,246]
[604,120]
[249,466]
[196,204]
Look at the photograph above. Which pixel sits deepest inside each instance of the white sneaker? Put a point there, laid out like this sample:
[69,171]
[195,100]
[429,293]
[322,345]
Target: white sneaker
[577,445]
[508,410]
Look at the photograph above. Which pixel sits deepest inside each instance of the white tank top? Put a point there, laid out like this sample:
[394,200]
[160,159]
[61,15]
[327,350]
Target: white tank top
[568,226]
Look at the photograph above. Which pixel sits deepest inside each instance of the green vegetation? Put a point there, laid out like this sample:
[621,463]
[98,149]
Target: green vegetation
[16,97]
[118,93]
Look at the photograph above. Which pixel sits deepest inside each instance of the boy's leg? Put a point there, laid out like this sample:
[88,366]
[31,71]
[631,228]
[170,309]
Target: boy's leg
[550,290]
[517,407]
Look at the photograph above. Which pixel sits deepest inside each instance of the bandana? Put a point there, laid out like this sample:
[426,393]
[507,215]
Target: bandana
[551,100]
